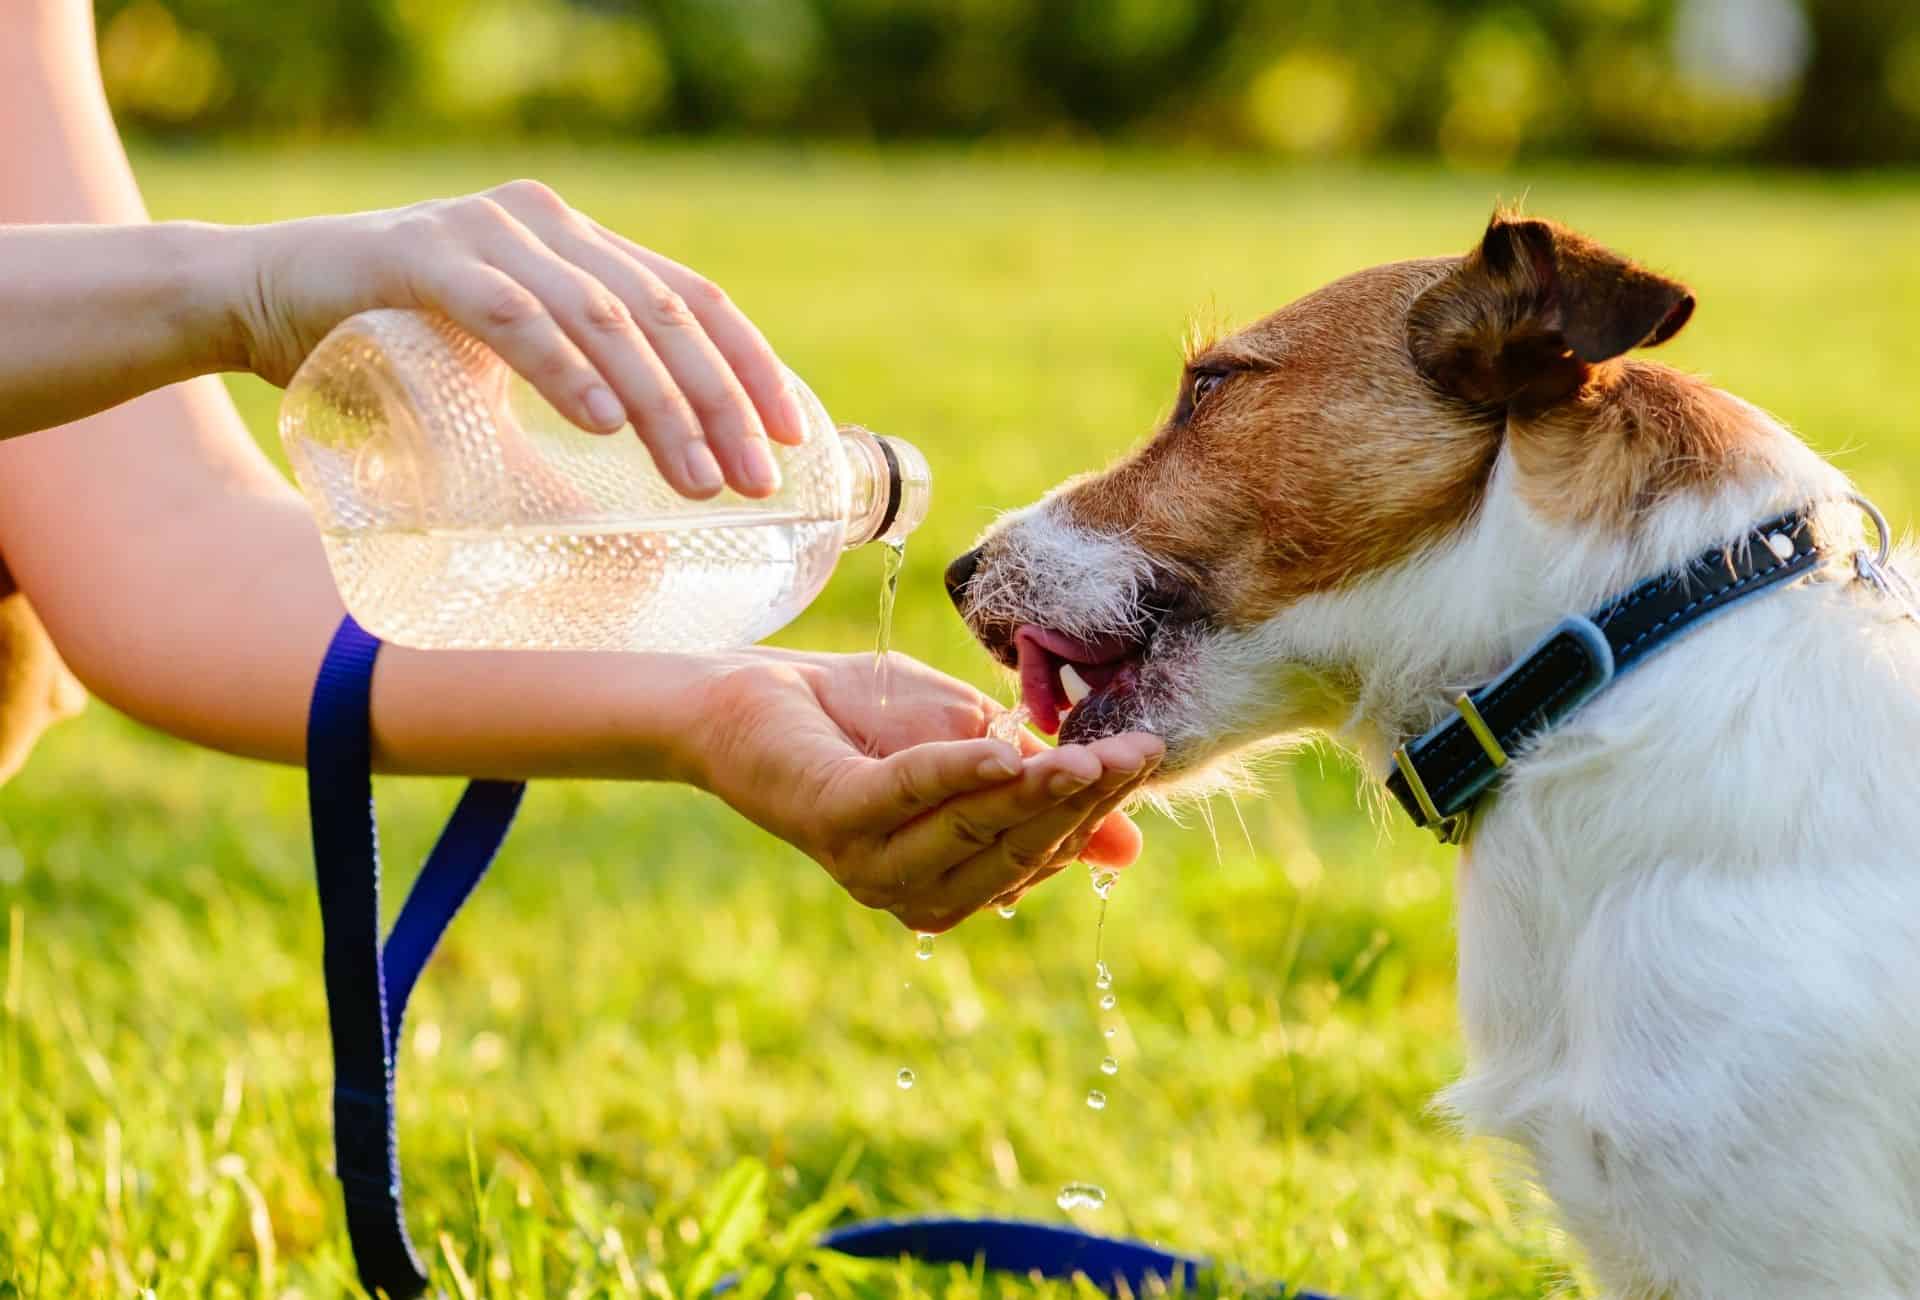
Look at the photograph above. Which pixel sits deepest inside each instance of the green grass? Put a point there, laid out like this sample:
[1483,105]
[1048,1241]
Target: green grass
[648,992]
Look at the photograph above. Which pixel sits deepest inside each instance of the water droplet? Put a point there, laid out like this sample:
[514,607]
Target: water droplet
[1109,1066]
[923,947]
[1103,978]
[1103,883]
[1006,912]
[1108,1032]
[1108,1002]
[904,1078]
[1081,1196]
[1096,1100]
[1008,726]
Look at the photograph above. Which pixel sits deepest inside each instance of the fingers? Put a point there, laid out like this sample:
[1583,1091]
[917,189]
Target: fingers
[910,782]
[961,828]
[611,334]
[727,416]
[510,318]
[1045,844]
[739,340]
[1107,840]
[1015,831]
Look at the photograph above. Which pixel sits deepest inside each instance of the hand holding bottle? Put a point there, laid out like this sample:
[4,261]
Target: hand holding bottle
[611,333]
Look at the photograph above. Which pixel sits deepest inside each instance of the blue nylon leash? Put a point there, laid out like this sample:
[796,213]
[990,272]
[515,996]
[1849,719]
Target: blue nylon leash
[368,986]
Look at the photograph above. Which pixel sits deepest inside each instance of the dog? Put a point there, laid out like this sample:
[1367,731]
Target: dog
[1689,908]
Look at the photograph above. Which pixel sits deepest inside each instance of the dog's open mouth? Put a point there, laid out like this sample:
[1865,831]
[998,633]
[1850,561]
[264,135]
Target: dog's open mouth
[1050,663]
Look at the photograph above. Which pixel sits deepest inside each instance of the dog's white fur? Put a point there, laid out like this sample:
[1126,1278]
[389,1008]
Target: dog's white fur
[1689,921]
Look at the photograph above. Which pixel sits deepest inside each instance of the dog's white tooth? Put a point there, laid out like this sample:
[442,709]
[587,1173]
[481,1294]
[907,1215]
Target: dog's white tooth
[1077,688]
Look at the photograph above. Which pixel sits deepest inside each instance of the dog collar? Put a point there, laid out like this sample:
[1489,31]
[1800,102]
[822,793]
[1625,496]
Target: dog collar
[1439,776]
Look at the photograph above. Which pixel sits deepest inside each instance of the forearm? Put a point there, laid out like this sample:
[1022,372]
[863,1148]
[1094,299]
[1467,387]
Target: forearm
[94,315]
[179,573]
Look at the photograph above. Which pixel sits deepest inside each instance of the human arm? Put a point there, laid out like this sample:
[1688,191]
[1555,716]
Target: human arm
[183,580]
[97,306]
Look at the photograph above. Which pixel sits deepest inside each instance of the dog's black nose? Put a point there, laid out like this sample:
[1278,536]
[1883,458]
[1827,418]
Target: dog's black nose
[959,574]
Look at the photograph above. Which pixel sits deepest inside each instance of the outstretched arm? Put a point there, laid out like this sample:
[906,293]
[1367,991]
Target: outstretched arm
[183,580]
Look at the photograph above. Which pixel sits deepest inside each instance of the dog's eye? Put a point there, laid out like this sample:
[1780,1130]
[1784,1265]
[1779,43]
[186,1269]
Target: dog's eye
[1205,383]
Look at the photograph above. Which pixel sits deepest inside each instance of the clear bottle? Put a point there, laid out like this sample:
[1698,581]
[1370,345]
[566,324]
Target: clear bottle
[461,511]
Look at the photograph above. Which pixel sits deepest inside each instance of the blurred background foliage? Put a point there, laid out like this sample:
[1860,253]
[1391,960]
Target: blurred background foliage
[1831,83]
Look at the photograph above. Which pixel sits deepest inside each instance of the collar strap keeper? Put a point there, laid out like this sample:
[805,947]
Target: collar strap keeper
[1439,776]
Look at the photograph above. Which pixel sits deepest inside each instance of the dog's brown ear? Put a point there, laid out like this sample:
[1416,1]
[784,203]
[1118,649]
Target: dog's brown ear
[1525,314]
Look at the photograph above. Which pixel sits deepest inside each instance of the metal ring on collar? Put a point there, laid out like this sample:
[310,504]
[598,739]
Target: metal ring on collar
[1885,546]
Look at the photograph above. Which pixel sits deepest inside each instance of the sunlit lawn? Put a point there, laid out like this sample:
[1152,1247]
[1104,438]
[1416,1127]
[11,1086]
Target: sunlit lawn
[648,991]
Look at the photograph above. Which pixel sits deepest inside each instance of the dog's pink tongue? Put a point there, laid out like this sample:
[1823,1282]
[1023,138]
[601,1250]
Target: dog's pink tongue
[1039,652]
[1041,689]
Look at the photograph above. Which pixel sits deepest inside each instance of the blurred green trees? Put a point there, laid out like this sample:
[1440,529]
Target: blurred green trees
[1823,82]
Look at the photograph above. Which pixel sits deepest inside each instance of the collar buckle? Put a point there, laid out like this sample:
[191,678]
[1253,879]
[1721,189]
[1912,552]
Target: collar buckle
[1448,830]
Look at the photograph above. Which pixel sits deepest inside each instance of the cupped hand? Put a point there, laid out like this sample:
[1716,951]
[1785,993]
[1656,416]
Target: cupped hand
[909,805]
[611,333]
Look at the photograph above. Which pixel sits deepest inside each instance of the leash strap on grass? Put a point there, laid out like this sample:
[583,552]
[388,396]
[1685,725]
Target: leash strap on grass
[368,985]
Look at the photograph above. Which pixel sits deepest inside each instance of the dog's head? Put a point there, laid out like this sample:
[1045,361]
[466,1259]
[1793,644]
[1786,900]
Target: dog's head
[1341,439]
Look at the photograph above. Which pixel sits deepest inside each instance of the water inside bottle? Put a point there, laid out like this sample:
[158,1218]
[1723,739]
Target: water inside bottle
[675,583]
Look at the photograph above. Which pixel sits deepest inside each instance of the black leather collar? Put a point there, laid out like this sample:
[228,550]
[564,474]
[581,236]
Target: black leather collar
[1438,777]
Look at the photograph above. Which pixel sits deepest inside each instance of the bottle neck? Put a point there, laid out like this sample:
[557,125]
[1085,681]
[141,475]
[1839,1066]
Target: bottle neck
[890,485]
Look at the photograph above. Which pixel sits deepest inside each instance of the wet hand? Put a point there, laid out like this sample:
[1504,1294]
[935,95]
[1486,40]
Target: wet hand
[611,333]
[910,806]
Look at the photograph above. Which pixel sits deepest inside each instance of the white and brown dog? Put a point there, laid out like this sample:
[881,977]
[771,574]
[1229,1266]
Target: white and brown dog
[1689,909]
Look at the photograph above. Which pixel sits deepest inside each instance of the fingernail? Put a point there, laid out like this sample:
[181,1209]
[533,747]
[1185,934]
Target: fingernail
[999,767]
[703,471]
[757,467]
[605,408]
[1065,783]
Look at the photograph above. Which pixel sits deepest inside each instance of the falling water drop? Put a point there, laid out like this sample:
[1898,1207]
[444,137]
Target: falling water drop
[1109,1066]
[904,1078]
[1102,977]
[923,947]
[1081,1196]
[1108,1002]
[1103,883]
[1108,1032]
[1006,912]
[1096,1100]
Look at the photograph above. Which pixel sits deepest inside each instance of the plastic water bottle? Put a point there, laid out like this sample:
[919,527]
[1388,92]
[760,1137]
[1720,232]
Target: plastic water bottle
[461,511]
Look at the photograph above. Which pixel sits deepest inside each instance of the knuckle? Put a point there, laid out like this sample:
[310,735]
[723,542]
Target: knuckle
[556,364]
[704,293]
[604,311]
[511,305]
[667,308]
[913,789]
[484,211]
[1028,858]
[968,831]
[534,195]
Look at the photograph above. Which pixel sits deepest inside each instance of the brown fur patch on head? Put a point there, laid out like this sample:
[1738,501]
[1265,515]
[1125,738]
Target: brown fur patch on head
[1362,423]
[1531,309]
[1531,325]
[1303,452]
